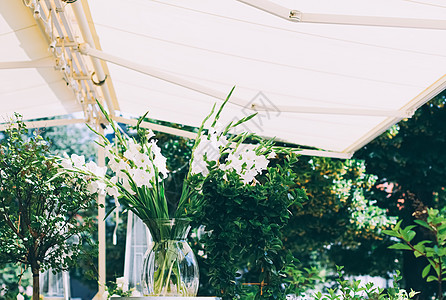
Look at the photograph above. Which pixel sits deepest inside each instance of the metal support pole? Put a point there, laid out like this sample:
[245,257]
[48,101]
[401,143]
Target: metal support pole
[66,285]
[303,17]
[47,62]
[168,77]
[86,33]
[101,227]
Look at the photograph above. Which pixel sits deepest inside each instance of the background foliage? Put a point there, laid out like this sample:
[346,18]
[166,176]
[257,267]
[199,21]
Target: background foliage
[338,225]
[40,221]
[410,163]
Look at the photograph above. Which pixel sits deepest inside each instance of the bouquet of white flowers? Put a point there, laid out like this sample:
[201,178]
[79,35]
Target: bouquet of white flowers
[137,182]
[139,168]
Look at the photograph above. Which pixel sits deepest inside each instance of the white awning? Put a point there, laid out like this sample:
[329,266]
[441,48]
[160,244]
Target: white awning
[332,75]
[314,80]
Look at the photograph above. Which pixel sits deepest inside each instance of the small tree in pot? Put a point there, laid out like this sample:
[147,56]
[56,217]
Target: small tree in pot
[40,222]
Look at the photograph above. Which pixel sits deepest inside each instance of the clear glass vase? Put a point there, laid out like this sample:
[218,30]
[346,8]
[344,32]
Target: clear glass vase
[170,267]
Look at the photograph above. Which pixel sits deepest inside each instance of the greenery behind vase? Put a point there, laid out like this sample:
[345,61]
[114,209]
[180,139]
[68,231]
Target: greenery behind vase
[244,230]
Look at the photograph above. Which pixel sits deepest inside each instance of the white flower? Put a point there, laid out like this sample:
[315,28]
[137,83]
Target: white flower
[198,166]
[272,155]
[101,187]
[126,185]
[149,134]
[159,160]
[130,155]
[119,167]
[249,176]
[232,162]
[20,297]
[112,191]
[132,151]
[96,186]
[134,147]
[249,154]
[213,147]
[160,163]
[208,147]
[66,163]
[141,177]
[260,163]
[246,163]
[141,160]
[114,164]
[78,161]
[92,167]
[109,152]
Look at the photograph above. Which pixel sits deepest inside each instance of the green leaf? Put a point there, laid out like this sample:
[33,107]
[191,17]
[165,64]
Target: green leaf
[391,233]
[417,254]
[426,271]
[420,248]
[423,223]
[217,116]
[400,247]
[408,228]
[109,212]
[410,235]
[398,225]
[431,278]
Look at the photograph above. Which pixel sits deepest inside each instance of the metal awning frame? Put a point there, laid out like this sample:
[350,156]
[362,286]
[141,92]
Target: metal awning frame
[294,15]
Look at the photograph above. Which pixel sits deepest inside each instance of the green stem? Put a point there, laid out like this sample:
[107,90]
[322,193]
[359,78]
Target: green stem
[161,279]
[167,286]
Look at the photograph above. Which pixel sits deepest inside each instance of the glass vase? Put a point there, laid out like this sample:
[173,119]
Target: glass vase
[170,267]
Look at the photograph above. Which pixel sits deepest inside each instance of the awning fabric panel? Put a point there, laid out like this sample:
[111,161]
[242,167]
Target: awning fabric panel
[34,93]
[283,65]
[228,43]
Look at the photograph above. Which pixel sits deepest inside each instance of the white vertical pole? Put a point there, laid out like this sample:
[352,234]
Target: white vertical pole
[101,226]
[66,285]
[50,281]
[128,248]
